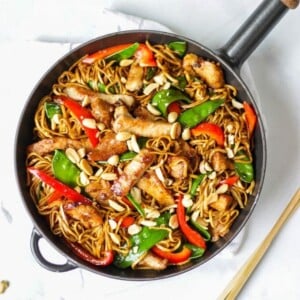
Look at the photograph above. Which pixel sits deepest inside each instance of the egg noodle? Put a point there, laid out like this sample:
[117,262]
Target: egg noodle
[166,154]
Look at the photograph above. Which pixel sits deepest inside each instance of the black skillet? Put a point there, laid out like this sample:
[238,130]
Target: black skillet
[231,57]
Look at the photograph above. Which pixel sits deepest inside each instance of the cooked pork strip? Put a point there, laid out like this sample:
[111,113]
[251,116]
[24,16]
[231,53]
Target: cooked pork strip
[46,146]
[99,190]
[141,127]
[178,166]
[210,72]
[101,109]
[102,112]
[88,215]
[133,171]
[135,78]
[79,93]
[220,162]
[151,184]
[107,147]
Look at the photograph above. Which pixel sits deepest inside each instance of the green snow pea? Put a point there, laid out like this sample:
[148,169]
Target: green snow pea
[196,251]
[205,233]
[140,243]
[52,109]
[123,54]
[136,205]
[193,116]
[196,182]
[64,170]
[127,156]
[179,47]
[244,169]
[162,99]
[163,219]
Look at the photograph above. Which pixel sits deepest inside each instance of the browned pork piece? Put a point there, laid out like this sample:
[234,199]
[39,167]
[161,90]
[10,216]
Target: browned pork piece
[132,172]
[143,127]
[99,190]
[107,147]
[88,215]
[220,162]
[153,262]
[143,113]
[210,72]
[46,146]
[187,151]
[178,166]
[79,93]
[223,202]
[101,110]
[151,184]
[135,78]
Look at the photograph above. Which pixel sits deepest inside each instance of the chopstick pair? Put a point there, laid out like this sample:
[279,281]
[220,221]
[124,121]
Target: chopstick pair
[238,281]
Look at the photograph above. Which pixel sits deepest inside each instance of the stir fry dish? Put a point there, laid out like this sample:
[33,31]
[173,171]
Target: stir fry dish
[142,156]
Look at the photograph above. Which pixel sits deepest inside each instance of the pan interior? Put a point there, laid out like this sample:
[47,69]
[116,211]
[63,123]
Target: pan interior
[24,137]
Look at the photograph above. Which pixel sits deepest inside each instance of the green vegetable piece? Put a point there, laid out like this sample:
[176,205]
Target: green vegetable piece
[196,251]
[196,182]
[52,109]
[182,82]
[64,170]
[142,141]
[91,84]
[123,54]
[100,86]
[204,233]
[162,99]
[136,205]
[150,72]
[127,156]
[140,243]
[193,116]
[245,169]
[179,47]
[163,219]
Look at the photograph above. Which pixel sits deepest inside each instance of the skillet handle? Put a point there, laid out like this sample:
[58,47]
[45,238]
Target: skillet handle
[245,40]
[35,249]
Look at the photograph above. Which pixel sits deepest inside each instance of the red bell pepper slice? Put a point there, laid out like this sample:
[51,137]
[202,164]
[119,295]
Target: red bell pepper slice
[81,113]
[191,235]
[230,180]
[127,202]
[173,257]
[107,259]
[59,187]
[251,117]
[127,221]
[211,129]
[174,107]
[145,56]
[54,196]
[104,53]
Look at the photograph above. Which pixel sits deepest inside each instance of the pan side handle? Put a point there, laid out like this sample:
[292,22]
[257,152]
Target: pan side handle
[35,249]
[246,39]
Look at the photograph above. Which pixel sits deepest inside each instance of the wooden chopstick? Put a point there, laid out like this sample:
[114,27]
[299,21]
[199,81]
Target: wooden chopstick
[238,281]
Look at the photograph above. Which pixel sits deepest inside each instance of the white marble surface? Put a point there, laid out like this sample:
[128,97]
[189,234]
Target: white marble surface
[275,68]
